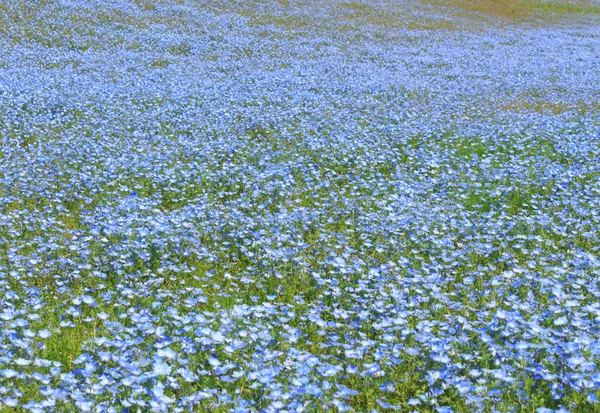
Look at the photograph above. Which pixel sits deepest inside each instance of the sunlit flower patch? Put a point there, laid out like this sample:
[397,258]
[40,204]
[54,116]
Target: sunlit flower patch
[312,207]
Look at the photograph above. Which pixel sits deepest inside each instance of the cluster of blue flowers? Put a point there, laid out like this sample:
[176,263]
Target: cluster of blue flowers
[213,206]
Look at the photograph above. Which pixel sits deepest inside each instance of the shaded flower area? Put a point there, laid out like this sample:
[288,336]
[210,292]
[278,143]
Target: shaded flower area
[312,206]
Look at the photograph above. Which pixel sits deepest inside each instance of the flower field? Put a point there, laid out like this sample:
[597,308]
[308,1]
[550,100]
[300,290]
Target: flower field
[299,206]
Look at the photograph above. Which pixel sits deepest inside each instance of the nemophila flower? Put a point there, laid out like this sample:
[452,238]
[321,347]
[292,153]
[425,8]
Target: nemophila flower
[9,373]
[388,386]
[103,316]
[6,315]
[11,401]
[166,352]
[160,368]
[413,402]
[86,299]
[386,405]
[22,362]
[44,333]
[276,208]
